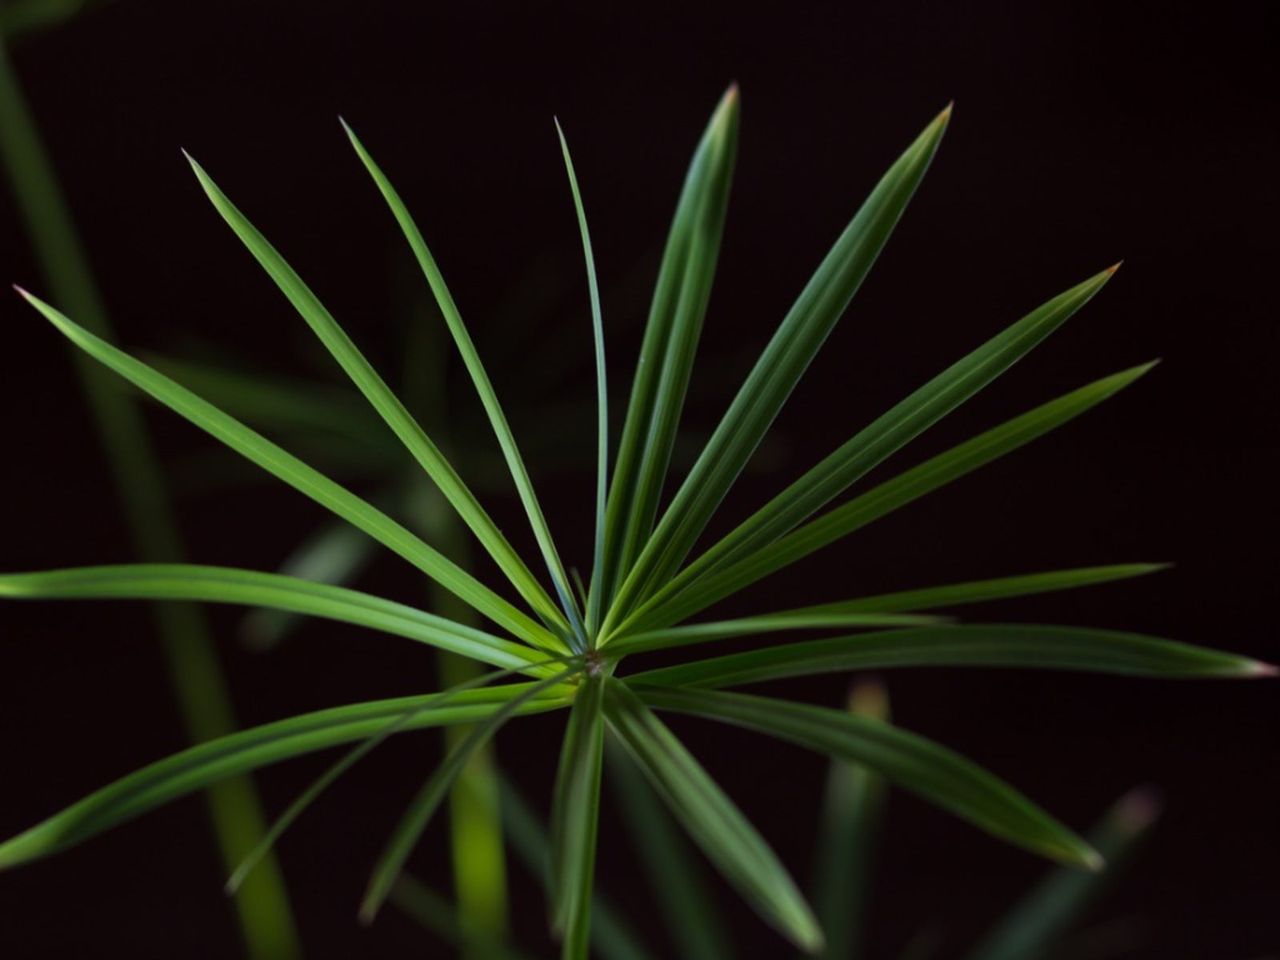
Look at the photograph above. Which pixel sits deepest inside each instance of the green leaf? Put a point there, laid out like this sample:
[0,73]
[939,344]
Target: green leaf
[602,401]
[780,366]
[575,814]
[977,591]
[1048,910]
[214,760]
[428,800]
[484,387]
[880,500]
[354,756]
[388,405]
[912,762]
[671,337]
[303,478]
[611,936]
[1030,646]
[184,581]
[890,432]
[675,878]
[849,829]
[711,818]
[684,636]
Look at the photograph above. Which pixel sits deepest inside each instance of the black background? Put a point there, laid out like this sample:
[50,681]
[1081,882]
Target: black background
[1083,133]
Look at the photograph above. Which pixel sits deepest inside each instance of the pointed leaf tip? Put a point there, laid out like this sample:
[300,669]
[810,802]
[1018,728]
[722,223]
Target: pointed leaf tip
[1114,267]
[1257,668]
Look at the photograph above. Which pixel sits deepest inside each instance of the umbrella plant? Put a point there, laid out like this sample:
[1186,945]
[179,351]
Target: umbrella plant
[580,647]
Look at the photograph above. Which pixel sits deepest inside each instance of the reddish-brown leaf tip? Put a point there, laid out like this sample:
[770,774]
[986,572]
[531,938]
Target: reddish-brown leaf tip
[1114,267]
[1138,808]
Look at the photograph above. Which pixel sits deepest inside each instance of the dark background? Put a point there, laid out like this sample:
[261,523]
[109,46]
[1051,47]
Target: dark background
[1083,133]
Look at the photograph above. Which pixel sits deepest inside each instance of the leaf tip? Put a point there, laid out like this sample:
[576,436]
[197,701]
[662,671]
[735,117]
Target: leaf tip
[944,117]
[1110,271]
[869,698]
[1091,860]
[1138,809]
[1259,668]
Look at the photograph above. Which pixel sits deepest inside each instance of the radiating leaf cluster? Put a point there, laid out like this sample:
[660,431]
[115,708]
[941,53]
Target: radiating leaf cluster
[643,587]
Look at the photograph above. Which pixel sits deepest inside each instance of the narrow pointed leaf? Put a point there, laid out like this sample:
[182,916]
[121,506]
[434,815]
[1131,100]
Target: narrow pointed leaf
[575,814]
[694,633]
[350,759]
[881,500]
[611,936]
[711,818]
[303,478]
[891,431]
[388,405]
[912,762]
[675,878]
[849,830]
[780,366]
[671,337]
[183,581]
[471,359]
[1029,646]
[428,800]
[602,400]
[1032,928]
[197,767]
[978,591]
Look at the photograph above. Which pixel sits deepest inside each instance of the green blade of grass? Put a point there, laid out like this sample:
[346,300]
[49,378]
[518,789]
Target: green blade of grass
[354,756]
[891,431]
[336,553]
[212,761]
[1029,646]
[675,878]
[671,336]
[611,936]
[1030,930]
[979,591]
[575,815]
[881,500]
[849,827]
[780,366]
[711,818]
[480,378]
[925,768]
[694,633]
[181,581]
[602,404]
[386,403]
[303,478]
[433,792]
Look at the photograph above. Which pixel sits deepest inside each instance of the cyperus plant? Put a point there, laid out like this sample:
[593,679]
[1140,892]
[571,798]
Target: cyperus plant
[565,648]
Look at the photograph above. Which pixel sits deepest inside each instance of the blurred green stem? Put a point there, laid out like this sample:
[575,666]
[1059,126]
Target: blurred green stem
[475,805]
[262,904]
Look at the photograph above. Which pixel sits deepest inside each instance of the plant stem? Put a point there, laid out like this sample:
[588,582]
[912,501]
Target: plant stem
[475,805]
[198,682]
